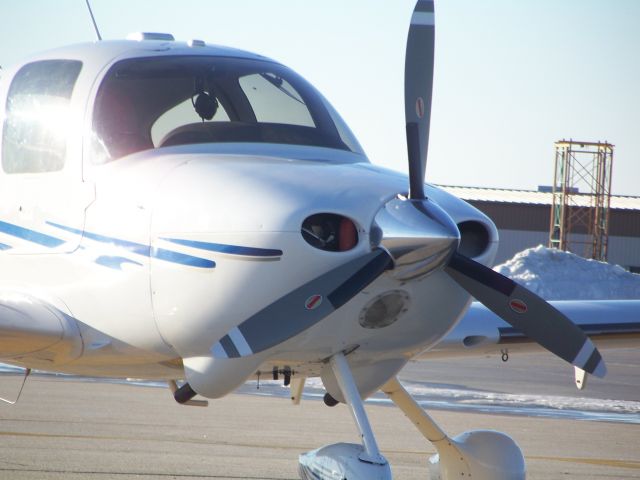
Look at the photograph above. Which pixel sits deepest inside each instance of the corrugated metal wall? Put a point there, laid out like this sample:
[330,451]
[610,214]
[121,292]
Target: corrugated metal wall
[524,226]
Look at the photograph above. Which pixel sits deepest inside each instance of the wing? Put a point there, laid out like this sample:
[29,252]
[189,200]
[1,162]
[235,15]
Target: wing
[34,330]
[609,323]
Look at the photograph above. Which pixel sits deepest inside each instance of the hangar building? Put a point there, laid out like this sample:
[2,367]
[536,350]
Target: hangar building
[523,217]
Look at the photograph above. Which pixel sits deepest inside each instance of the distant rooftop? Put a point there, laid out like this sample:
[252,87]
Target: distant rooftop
[532,197]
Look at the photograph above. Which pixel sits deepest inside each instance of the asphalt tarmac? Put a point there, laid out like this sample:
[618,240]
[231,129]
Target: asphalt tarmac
[69,429]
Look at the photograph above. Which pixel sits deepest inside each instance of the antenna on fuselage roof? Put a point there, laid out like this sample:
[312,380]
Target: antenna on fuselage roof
[95,25]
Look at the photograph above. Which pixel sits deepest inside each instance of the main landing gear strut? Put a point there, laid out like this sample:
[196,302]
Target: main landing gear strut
[480,455]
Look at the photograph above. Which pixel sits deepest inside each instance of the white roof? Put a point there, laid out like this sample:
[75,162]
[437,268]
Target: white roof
[533,197]
[96,55]
[109,49]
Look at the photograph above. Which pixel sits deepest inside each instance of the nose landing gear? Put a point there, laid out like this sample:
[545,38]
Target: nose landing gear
[347,460]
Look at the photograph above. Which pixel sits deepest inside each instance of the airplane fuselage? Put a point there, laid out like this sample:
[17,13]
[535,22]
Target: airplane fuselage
[152,257]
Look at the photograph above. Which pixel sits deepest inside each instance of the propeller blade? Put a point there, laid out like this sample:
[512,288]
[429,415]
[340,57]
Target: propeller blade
[527,312]
[418,85]
[303,307]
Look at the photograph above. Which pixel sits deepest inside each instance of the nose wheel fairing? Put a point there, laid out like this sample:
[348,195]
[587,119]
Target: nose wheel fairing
[340,461]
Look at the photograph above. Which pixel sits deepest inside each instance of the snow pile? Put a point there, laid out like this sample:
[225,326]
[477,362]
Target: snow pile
[557,275]
[463,399]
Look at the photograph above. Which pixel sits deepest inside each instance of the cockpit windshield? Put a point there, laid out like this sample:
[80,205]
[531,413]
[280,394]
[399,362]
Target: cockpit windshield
[155,102]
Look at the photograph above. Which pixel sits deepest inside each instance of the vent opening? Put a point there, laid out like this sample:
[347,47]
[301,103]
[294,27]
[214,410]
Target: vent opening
[474,238]
[330,232]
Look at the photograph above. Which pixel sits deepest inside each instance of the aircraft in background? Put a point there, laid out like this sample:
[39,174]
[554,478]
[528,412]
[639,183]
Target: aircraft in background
[180,211]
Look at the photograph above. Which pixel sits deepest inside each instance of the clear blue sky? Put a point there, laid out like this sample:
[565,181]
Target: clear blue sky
[512,77]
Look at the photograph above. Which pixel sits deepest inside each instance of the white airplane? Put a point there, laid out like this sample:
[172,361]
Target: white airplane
[198,214]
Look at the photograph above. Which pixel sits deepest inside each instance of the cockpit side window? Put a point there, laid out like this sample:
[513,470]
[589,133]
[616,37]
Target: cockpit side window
[156,102]
[37,121]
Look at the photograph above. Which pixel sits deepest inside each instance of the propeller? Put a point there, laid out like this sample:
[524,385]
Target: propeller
[514,303]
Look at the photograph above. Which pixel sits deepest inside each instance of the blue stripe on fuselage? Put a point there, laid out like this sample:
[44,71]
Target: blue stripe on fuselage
[228,249]
[30,235]
[144,250]
[183,259]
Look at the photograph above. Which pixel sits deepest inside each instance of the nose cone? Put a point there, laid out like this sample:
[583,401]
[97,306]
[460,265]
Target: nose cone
[418,234]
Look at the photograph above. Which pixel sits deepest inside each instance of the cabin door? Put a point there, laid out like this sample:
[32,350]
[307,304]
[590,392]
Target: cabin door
[42,195]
